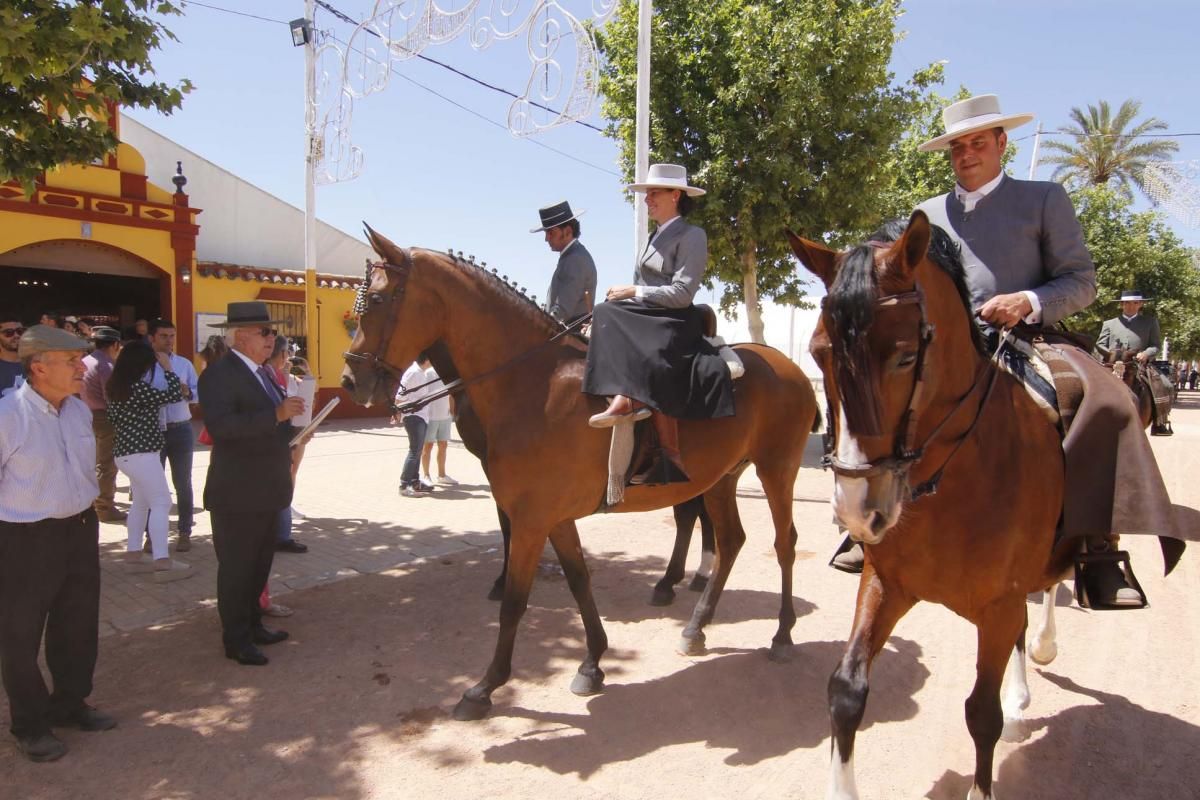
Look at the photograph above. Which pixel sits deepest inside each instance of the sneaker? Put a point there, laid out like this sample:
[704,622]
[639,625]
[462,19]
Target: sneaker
[446,480]
[424,486]
[85,718]
[137,562]
[167,570]
[277,610]
[183,542]
[41,747]
[408,491]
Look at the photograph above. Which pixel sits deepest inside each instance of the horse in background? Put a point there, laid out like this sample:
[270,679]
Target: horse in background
[470,430]
[945,469]
[526,391]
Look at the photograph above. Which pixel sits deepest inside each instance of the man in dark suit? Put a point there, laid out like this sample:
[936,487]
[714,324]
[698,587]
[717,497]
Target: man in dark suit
[249,475]
[573,288]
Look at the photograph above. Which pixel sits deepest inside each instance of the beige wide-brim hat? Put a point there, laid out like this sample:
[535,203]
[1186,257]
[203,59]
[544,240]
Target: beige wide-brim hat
[666,176]
[978,113]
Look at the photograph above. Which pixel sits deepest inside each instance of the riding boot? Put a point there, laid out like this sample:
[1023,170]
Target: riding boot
[849,557]
[621,408]
[666,466]
[1106,583]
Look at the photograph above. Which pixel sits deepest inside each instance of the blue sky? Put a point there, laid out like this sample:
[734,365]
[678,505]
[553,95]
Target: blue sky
[438,176]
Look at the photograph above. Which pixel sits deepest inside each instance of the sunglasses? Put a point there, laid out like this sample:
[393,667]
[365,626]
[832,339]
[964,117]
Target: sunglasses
[11,331]
[265,332]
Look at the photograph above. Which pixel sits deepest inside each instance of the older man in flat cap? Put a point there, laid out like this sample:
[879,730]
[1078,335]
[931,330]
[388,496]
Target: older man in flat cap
[49,545]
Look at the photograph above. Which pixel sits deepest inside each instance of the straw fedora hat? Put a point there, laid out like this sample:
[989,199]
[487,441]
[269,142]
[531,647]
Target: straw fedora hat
[978,113]
[666,176]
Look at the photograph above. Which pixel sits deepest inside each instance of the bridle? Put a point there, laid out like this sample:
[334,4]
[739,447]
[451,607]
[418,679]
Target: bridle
[905,451]
[385,369]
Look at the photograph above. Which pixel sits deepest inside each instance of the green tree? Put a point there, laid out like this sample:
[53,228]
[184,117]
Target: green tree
[1107,150]
[1138,250]
[783,110]
[61,63]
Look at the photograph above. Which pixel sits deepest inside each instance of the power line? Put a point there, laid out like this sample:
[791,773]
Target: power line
[1075,135]
[455,70]
[186,3]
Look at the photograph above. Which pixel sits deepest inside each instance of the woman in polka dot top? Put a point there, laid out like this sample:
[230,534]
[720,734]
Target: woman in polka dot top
[134,409]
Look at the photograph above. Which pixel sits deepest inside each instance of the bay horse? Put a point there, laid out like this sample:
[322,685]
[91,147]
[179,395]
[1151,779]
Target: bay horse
[944,468]
[470,431]
[547,467]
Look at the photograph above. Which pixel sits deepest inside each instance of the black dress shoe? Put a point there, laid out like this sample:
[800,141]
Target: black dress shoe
[248,654]
[85,719]
[291,546]
[41,747]
[263,635]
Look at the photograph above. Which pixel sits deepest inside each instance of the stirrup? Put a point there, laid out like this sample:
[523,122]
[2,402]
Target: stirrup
[1082,579]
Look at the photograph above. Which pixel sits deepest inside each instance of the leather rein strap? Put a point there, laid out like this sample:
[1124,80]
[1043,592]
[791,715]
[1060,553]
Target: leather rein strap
[905,452]
[381,366]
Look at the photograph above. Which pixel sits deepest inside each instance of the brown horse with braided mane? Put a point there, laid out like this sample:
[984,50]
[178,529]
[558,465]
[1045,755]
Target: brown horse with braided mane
[945,469]
[523,379]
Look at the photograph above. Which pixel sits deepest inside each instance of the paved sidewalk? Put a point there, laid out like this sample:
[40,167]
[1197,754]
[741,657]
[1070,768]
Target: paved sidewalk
[355,522]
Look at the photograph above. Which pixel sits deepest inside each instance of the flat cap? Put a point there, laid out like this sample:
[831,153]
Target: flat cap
[46,339]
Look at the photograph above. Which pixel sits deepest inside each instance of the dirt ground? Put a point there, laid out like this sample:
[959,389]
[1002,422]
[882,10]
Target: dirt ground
[357,703]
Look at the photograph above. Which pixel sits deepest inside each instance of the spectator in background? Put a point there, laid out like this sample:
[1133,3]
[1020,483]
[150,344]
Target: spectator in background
[70,325]
[134,407]
[415,424]
[213,350]
[278,363]
[11,374]
[141,329]
[51,318]
[84,327]
[438,431]
[49,546]
[99,367]
[179,440]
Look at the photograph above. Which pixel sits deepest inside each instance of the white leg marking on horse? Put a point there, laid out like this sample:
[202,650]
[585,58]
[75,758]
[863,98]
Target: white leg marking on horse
[1014,697]
[849,494]
[1043,647]
[977,794]
[841,777]
[706,562]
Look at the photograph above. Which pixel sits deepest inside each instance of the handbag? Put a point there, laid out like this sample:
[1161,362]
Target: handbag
[204,438]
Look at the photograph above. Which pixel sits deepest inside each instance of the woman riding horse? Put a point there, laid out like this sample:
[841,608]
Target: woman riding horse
[647,345]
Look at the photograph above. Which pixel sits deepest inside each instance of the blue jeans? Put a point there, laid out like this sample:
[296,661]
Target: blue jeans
[415,427]
[178,450]
[284,534]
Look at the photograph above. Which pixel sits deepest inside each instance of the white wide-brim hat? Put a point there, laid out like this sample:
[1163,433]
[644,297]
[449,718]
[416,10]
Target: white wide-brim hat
[978,113]
[1132,296]
[666,176]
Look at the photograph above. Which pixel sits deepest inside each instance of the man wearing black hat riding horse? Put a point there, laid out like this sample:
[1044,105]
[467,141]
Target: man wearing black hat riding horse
[573,287]
[1134,333]
[1026,262]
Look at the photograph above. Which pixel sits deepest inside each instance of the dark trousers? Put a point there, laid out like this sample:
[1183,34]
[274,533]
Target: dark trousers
[178,450]
[106,467]
[415,427]
[245,545]
[49,580]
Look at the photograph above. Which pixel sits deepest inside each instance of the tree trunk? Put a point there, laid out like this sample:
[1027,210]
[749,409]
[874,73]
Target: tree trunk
[750,291]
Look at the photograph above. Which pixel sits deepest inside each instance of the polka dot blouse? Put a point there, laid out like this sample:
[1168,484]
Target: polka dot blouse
[136,420]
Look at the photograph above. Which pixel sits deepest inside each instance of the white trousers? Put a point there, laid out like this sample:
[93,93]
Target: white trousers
[151,501]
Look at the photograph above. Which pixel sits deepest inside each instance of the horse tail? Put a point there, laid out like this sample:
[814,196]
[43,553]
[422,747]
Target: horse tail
[817,421]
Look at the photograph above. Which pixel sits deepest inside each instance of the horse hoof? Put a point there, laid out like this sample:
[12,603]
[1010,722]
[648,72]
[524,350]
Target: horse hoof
[1014,730]
[587,685]
[1043,654]
[691,647]
[662,597]
[469,710]
[497,592]
[698,583]
[781,653]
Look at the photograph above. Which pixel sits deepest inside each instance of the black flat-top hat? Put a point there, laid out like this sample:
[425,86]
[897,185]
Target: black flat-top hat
[555,215]
[247,314]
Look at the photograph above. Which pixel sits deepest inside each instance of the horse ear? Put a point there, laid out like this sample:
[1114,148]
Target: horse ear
[816,258]
[914,244]
[384,246]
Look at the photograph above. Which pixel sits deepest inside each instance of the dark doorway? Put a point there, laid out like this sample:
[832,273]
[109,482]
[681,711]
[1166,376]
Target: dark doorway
[115,300]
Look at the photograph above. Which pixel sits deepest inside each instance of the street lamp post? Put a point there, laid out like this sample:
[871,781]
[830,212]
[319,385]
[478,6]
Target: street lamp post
[302,35]
[641,163]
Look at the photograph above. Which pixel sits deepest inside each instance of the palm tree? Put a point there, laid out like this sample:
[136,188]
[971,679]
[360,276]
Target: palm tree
[1105,152]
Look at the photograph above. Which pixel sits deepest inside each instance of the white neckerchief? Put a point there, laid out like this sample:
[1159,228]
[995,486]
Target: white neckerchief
[970,199]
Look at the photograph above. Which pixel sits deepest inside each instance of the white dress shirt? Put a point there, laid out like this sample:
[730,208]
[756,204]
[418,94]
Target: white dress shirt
[47,457]
[969,201]
[176,412]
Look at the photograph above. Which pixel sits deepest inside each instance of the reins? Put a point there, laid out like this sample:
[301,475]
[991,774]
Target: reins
[380,365]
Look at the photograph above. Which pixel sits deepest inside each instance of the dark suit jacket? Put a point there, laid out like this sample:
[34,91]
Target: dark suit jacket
[250,467]
[573,287]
